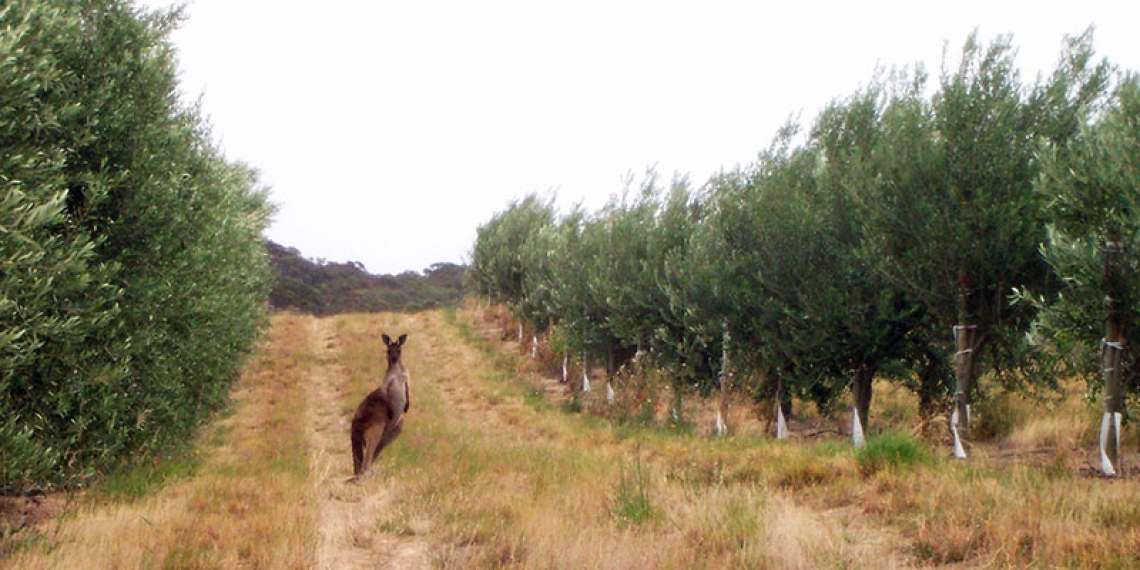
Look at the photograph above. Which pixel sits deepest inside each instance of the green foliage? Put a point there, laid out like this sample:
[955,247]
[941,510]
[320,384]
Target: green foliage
[848,251]
[576,311]
[134,269]
[1092,185]
[497,263]
[621,277]
[682,291]
[578,295]
[952,210]
[539,260]
[23,459]
[812,310]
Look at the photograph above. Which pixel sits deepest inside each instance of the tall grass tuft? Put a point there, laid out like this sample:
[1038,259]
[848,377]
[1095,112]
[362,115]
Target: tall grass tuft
[893,451]
[632,505]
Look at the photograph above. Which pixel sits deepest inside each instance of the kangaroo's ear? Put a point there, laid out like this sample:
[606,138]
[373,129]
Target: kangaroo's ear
[401,340]
[387,341]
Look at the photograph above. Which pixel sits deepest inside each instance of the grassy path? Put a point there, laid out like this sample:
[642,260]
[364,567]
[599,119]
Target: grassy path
[487,474]
[348,536]
[490,472]
[247,504]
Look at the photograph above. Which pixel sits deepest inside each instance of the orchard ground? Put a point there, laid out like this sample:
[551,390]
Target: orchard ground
[499,466]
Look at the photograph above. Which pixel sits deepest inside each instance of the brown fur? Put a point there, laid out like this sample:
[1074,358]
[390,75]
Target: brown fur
[380,417]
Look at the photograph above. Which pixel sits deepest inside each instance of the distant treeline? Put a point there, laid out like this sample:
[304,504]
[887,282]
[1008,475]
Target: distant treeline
[322,288]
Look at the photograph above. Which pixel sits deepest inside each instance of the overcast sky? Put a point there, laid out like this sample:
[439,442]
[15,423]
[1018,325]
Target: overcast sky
[388,131]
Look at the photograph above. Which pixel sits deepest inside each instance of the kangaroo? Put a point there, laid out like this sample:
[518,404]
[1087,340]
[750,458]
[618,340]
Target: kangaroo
[380,417]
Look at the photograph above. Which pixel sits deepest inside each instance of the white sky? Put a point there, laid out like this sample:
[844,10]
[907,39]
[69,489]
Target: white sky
[388,131]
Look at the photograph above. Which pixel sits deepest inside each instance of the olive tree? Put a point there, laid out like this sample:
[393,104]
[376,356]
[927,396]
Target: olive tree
[953,220]
[1092,185]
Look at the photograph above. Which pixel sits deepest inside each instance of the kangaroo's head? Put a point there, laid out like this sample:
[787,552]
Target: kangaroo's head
[394,348]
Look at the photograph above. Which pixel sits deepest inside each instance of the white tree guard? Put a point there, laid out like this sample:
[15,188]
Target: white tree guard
[585,376]
[609,393]
[856,429]
[959,451]
[781,424]
[1110,419]
[534,346]
[721,427]
[565,362]
[520,333]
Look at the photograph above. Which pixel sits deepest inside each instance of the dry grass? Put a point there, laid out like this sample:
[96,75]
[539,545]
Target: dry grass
[504,481]
[245,507]
[1026,500]
[489,474]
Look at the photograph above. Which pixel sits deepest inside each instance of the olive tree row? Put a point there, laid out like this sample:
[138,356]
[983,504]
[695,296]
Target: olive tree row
[887,239]
[134,269]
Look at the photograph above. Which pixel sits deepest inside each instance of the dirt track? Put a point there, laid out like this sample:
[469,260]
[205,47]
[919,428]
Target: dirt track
[347,532]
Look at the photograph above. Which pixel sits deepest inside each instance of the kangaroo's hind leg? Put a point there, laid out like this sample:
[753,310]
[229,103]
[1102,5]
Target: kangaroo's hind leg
[395,426]
[357,453]
[372,435]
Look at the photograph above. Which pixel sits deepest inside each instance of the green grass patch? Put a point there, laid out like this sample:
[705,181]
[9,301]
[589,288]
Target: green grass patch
[830,448]
[536,399]
[891,450]
[137,479]
[571,405]
[632,504]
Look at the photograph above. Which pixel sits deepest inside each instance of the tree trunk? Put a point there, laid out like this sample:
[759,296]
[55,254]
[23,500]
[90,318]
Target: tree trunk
[1112,353]
[610,371]
[610,360]
[929,388]
[723,383]
[861,391]
[965,345]
[676,409]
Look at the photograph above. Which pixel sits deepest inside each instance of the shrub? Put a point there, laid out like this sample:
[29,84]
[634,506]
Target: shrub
[135,271]
[999,415]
